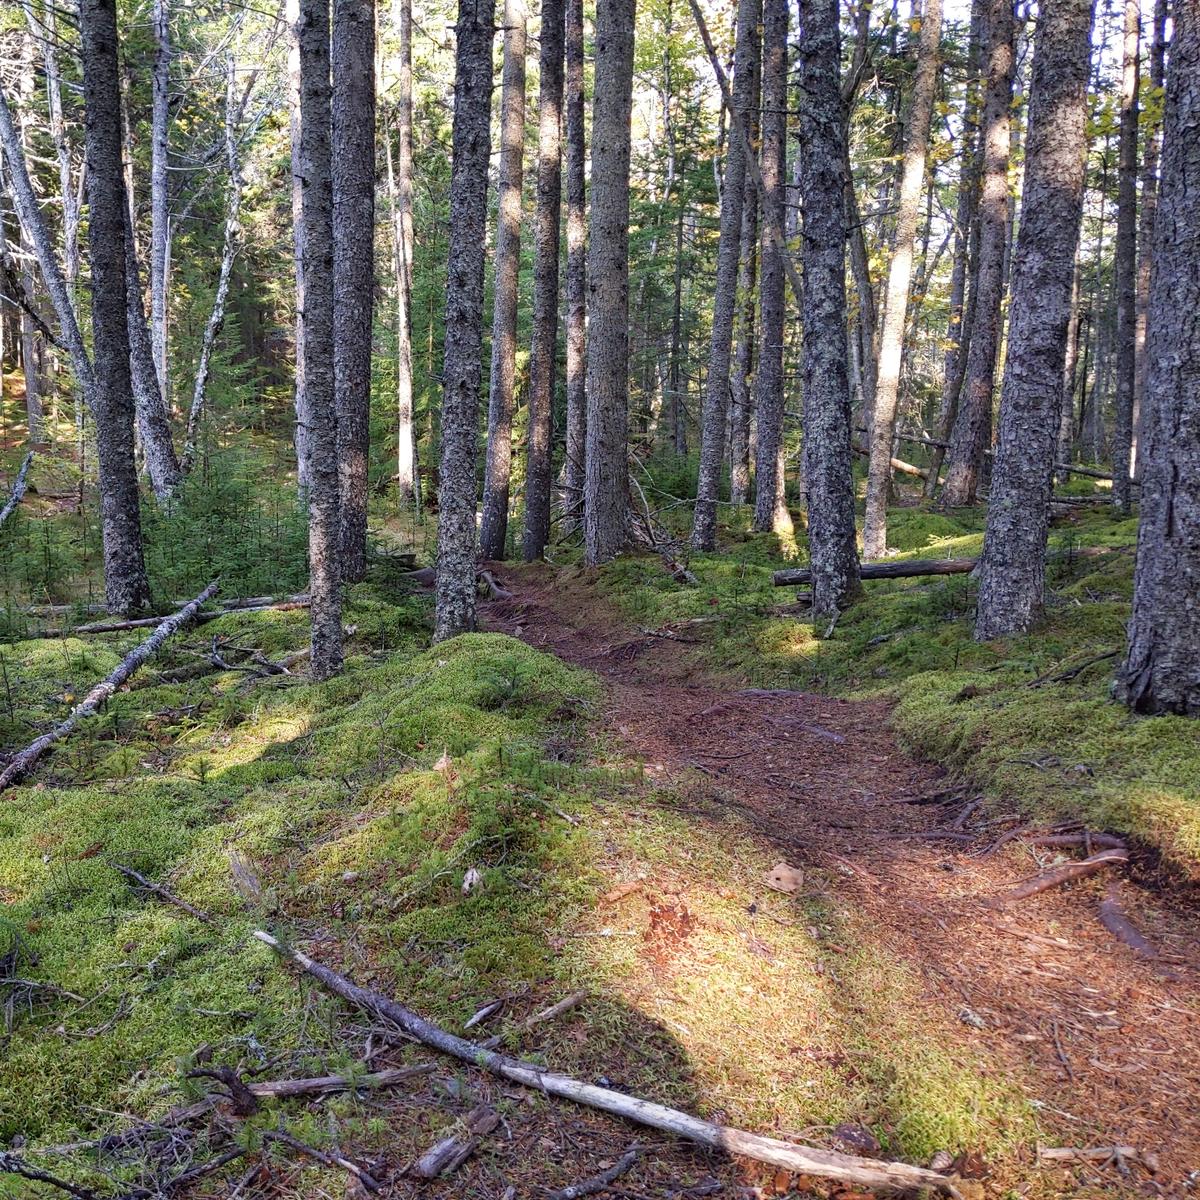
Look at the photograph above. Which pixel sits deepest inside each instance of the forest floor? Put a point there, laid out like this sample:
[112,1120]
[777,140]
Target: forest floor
[1103,1044]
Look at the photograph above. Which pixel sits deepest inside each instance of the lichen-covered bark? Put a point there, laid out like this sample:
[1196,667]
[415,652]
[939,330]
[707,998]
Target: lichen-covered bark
[400,183]
[715,412]
[159,196]
[576,273]
[827,470]
[126,588]
[1011,571]
[895,312]
[314,176]
[470,151]
[302,437]
[969,438]
[770,512]
[493,529]
[606,523]
[545,284]
[353,64]
[1161,672]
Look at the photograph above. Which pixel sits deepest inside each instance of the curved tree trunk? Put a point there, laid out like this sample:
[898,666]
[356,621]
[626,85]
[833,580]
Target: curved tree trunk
[545,285]
[606,519]
[1011,571]
[770,511]
[827,470]
[1161,672]
[895,313]
[314,177]
[716,387]
[970,435]
[471,150]
[353,65]
[493,530]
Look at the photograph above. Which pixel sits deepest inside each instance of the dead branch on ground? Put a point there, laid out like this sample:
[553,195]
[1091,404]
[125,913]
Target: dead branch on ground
[147,885]
[18,488]
[601,1181]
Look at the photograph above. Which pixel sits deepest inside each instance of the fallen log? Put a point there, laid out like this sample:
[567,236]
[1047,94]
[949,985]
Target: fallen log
[1064,873]
[23,762]
[448,1154]
[806,1160]
[898,464]
[18,488]
[203,618]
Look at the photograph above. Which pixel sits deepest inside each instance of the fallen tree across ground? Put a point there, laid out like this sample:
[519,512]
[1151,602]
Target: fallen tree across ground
[21,763]
[18,489]
[806,1160]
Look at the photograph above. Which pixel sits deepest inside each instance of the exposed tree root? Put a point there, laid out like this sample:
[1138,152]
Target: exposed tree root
[1064,873]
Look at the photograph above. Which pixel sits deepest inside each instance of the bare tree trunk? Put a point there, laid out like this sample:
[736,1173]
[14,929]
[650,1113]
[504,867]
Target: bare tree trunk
[493,530]
[827,466]
[545,284]
[1149,200]
[1066,420]
[770,511]
[1011,571]
[314,178]
[895,313]
[606,518]
[159,209]
[229,247]
[353,63]
[970,435]
[407,482]
[472,148]
[125,585]
[716,387]
[1161,672]
[1125,261]
[303,418]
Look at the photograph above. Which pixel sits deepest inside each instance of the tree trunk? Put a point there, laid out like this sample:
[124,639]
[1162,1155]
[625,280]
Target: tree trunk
[606,518]
[895,313]
[159,208]
[716,387]
[741,386]
[542,355]
[1066,419]
[303,419]
[770,511]
[1125,261]
[827,468]
[353,65]
[675,384]
[1162,670]
[407,481]
[576,273]
[125,585]
[1149,199]
[970,435]
[314,178]
[471,151]
[1011,571]
[497,472]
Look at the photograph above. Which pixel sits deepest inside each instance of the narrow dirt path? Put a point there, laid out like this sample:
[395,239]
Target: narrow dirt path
[1105,1043]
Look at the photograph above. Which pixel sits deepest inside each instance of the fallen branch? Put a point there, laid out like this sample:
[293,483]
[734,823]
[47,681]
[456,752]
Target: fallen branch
[898,464]
[565,1005]
[1100,841]
[18,488]
[1113,918]
[1064,873]
[203,618]
[448,1154]
[1099,1154]
[495,591]
[1064,676]
[23,762]
[330,1160]
[161,892]
[602,1180]
[13,1164]
[805,1160]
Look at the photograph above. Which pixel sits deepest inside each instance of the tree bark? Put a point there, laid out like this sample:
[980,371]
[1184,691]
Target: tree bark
[353,64]
[895,313]
[542,356]
[407,482]
[716,387]
[497,473]
[1161,672]
[770,510]
[303,421]
[1011,570]
[575,449]
[159,207]
[126,587]
[606,516]
[314,178]
[827,466]
[970,435]
[1066,420]
[471,151]
[1125,261]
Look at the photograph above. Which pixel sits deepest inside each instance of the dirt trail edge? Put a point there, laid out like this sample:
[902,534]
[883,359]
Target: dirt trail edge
[1105,1043]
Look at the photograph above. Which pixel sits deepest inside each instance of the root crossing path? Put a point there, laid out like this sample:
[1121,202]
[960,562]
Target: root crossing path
[1103,1042]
